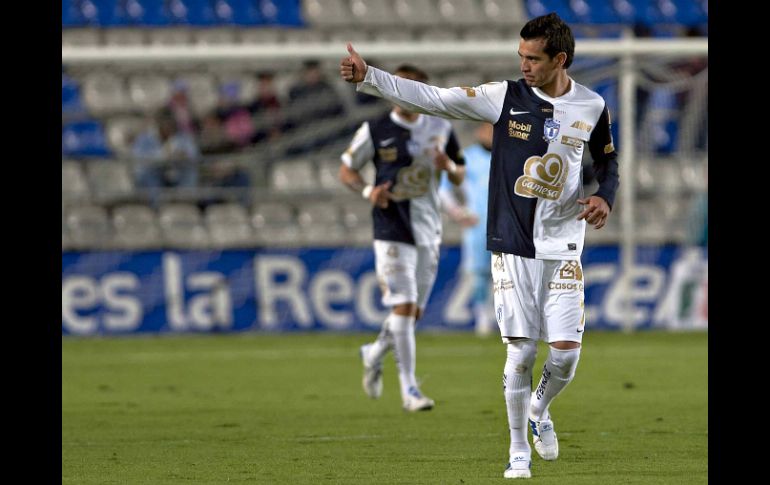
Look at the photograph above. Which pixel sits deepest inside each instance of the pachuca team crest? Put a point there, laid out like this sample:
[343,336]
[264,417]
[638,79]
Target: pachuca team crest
[551,129]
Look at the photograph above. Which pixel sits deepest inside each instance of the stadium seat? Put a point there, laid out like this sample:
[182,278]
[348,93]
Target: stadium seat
[601,12]
[150,13]
[182,226]
[202,13]
[646,12]
[328,179]
[561,7]
[286,13]
[84,138]
[645,179]
[417,13]
[89,227]
[357,219]
[136,227]
[509,14]
[694,175]
[536,8]
[104,93]
[651,224]
[326,13]
[121,131]
[228,224]
[111,181]
[373,13]
[293,175]
[320,224]
[149,92]
[71,103]
[202,91]
[274,224]
[460,12]
[70,14]
[80,13]
[685,13]
[74,184]
[624,10]
[245,13]
[667,175]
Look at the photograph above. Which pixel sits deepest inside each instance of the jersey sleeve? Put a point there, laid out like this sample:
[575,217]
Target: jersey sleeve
[360,150]
[605,158]
[480,103]
[453,149]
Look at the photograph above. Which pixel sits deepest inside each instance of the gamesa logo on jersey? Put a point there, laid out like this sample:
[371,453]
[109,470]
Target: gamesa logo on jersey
[543,177]
[551,129]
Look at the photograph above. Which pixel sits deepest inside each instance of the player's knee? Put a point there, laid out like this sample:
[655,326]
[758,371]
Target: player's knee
[564,361]
[405,309]
[522,354]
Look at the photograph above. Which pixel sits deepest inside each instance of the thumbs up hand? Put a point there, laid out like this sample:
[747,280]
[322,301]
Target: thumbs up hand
[353,67]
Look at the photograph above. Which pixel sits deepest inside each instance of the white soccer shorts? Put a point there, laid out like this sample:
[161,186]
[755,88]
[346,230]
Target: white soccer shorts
[538,299]
[406,273]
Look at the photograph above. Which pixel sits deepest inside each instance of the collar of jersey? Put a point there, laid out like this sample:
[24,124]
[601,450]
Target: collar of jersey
[563,97]
[406,124]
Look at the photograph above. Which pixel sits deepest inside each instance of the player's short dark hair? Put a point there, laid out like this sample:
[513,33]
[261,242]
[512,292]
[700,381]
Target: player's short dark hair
[557,34]
[414,73]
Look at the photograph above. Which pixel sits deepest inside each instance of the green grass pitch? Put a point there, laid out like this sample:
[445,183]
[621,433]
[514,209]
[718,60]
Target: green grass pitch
[289,409]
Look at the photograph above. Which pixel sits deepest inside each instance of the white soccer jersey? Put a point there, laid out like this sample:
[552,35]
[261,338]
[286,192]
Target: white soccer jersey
[403,153]
[535,175]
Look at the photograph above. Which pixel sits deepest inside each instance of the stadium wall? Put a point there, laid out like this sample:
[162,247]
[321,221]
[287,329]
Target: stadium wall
[122,293]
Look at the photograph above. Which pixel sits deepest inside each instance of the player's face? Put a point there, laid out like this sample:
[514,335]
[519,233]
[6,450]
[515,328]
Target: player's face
[539,70]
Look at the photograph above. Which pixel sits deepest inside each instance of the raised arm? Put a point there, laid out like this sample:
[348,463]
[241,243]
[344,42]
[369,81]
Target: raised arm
[479,103]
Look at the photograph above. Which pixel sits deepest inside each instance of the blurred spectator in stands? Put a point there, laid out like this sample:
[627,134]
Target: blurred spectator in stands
[236,118]
[317,96]
[179,106]
[212,138]
[227,174]
[267,110]
[165,157]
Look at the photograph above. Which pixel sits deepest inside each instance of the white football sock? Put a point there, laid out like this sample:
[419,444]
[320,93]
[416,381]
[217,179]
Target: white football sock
[517,387]
[558,371]
[402,330]
[376,350]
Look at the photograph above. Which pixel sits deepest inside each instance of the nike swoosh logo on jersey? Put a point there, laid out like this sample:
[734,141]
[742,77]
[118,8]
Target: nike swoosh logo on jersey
[387,141]
[514,113]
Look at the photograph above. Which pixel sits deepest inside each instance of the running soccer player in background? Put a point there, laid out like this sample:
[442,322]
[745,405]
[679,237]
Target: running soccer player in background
[537,211]
[410,151]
